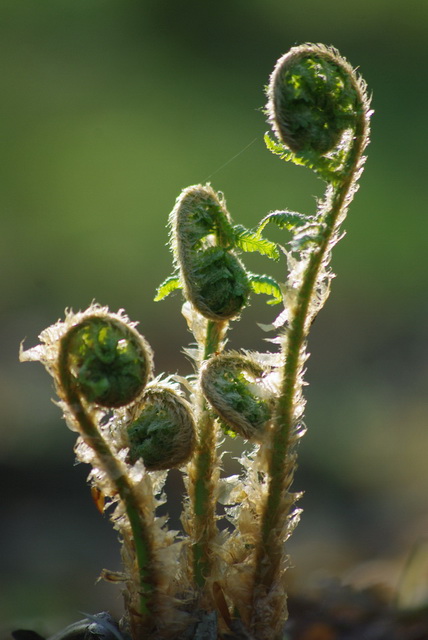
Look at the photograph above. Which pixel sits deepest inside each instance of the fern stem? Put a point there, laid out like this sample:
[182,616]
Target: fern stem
[205,475]
[142,538]
[270,551]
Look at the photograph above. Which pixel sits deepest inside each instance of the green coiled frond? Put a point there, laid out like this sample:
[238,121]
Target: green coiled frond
[233,385]
[205,245]
[163,433]
[110,362]
[315,101]
[267,285]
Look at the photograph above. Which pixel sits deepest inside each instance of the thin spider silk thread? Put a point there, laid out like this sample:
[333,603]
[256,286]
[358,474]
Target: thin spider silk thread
[230,160]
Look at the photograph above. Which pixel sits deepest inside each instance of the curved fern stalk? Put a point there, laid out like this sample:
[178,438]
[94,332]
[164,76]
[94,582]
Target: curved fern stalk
[319,111]
[241,389]
[101,365]
[217,287]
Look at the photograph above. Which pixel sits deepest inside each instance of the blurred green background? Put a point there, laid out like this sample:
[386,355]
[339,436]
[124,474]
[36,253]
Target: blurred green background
[109,108]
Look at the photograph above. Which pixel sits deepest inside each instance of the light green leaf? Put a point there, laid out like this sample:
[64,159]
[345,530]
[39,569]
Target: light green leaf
[278,148]
[309,235]
[329,168]
[168,286]
[248,240]
[266,284]
[284,220]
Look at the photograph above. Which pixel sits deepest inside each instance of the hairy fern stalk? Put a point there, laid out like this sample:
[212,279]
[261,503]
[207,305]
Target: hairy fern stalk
[132,427]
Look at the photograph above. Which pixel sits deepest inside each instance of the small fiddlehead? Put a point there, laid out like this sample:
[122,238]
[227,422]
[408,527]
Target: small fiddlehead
[233,385]
[163,433]
[213,279]
[110,363]
[106,362]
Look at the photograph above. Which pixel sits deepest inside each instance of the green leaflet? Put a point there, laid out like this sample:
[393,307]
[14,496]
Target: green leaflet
[306,229]
[168,286]
[309,235]
[266,284]
[284,220]
[327,167]
[226,429]
[248,240]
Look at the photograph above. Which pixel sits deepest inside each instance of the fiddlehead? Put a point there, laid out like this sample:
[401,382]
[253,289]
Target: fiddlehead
[317,106]
[311,102]
[109,362]
[163,433]
[213,279]
[97,360]
[319,112]
[205,245]
[233,385]
[216,286]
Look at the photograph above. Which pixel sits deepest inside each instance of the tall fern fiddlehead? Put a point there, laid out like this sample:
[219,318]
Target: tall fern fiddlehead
[217,287]
[319,112]
[205,244]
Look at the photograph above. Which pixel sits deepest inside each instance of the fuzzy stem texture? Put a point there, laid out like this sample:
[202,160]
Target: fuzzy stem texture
[270,551]
[205,475]
[143,620]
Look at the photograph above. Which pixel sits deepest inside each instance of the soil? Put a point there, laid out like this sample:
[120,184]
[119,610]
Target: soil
[346,614]
[337,613]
